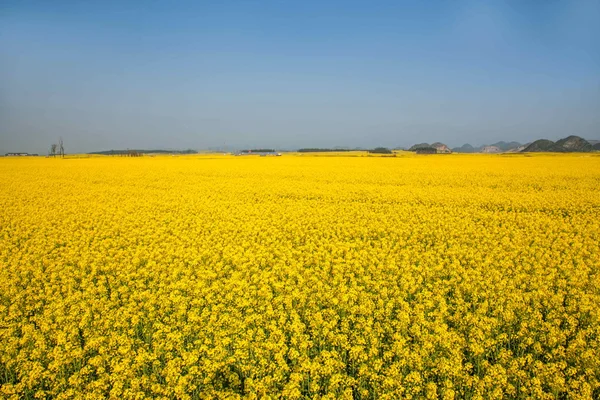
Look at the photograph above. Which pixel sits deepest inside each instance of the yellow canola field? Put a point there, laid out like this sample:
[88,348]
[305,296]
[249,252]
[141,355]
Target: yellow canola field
[453,277]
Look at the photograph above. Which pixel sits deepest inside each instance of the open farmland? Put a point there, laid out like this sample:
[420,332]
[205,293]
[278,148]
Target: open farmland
[472,276]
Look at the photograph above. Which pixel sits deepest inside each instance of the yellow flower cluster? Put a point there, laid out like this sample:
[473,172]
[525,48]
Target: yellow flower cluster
[453,277]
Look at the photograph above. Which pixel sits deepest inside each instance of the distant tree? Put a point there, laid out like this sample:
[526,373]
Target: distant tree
[381,150]
[426,150]
[419,146]
[53,148]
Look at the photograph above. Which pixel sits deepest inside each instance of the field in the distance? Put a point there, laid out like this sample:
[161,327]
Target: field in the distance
[300,277]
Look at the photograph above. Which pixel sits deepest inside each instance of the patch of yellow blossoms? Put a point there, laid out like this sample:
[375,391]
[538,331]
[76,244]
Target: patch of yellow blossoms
[300,277]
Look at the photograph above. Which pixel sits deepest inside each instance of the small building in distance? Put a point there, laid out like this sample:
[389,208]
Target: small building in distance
[426,150]
[19,154]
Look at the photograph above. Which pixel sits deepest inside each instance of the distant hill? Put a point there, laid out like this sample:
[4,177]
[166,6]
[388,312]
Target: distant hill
[596,146]
[441,147]
[465,148]
[505,146]
[490,149]
[593,142]
[539,146]
[517,149]
[498,147]
[570,144]
[419,146]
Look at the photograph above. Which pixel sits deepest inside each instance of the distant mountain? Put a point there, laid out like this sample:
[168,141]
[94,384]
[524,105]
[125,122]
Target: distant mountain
[596,146]
[570,144]
[465,148]
[490,149]
[441,147]
[419,146]
[593,142]
[539,145]
[517,149]
[505,146]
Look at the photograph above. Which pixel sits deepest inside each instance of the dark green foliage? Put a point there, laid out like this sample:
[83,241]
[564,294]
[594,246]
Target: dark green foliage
[381,150]
[426,150]
[419,146]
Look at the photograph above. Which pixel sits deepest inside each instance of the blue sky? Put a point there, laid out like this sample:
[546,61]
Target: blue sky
[110,74]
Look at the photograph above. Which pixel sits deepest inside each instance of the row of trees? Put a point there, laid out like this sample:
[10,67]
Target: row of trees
[57,149]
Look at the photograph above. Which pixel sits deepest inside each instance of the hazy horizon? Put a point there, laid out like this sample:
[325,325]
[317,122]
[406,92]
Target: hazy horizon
[112,75]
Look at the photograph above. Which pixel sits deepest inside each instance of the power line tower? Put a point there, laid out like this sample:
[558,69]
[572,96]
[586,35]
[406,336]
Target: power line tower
[61,148]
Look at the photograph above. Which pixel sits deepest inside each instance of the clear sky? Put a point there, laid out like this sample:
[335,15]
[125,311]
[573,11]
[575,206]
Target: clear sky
[287,74]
